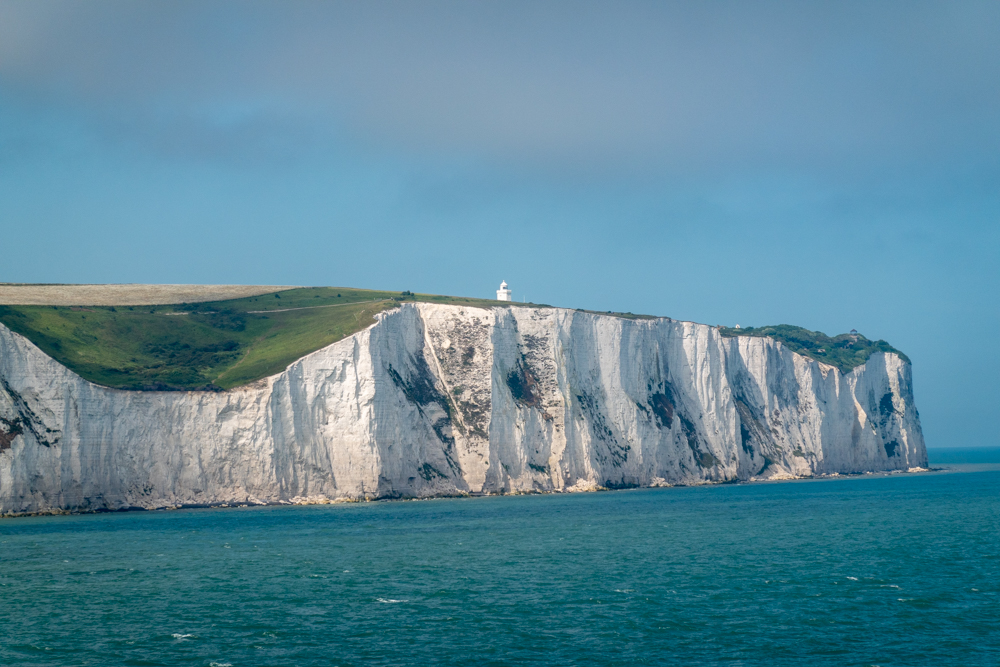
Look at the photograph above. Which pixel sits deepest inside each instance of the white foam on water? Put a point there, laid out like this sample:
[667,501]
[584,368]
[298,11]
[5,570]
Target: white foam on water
[220,664]
[389,600]
[181,637]
[624,590]
[853,578]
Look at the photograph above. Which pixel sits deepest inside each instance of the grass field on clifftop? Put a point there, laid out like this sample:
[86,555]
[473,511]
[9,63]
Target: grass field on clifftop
[212,345]
[224,344]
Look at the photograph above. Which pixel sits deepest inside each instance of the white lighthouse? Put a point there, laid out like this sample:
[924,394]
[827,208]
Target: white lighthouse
[503,294]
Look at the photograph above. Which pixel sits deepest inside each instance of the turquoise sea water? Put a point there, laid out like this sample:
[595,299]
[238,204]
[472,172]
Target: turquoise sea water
[895,570]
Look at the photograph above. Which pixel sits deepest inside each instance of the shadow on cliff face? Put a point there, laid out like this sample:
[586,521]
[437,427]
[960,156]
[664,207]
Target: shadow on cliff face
[523,386]
[756,439]
[531,378]
[614,450]
[663,406]
[418,385]
[420,389]
[887,414]
[25,421]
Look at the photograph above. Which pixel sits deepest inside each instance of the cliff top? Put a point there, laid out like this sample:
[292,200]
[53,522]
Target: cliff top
[844,352]
[125,336]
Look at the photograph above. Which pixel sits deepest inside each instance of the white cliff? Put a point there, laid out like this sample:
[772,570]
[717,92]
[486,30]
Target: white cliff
[439,400]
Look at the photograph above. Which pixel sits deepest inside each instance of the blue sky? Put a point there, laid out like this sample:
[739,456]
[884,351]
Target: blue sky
[831,165]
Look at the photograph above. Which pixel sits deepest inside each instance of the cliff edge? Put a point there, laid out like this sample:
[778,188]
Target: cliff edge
[444,400]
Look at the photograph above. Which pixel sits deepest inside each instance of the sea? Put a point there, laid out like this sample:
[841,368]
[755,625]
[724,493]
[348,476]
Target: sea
[899,569]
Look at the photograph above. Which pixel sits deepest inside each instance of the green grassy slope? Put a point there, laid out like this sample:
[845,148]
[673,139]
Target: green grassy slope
[844,352]
[214,345]
[224,344]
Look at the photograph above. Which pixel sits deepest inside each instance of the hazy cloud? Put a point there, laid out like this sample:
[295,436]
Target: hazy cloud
[573,83]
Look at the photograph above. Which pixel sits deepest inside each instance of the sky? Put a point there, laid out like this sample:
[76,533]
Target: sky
[833,165]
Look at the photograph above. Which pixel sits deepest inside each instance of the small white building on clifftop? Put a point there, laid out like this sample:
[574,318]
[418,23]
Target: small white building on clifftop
[503,294]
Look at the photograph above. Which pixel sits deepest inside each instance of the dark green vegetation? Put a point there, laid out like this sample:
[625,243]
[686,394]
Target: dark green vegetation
[845,352]
[208,346]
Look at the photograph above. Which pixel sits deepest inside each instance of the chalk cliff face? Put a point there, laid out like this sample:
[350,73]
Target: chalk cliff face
[435,400]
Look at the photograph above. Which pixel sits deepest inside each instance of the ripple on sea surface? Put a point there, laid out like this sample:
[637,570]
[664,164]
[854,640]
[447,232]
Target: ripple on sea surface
[886,570]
